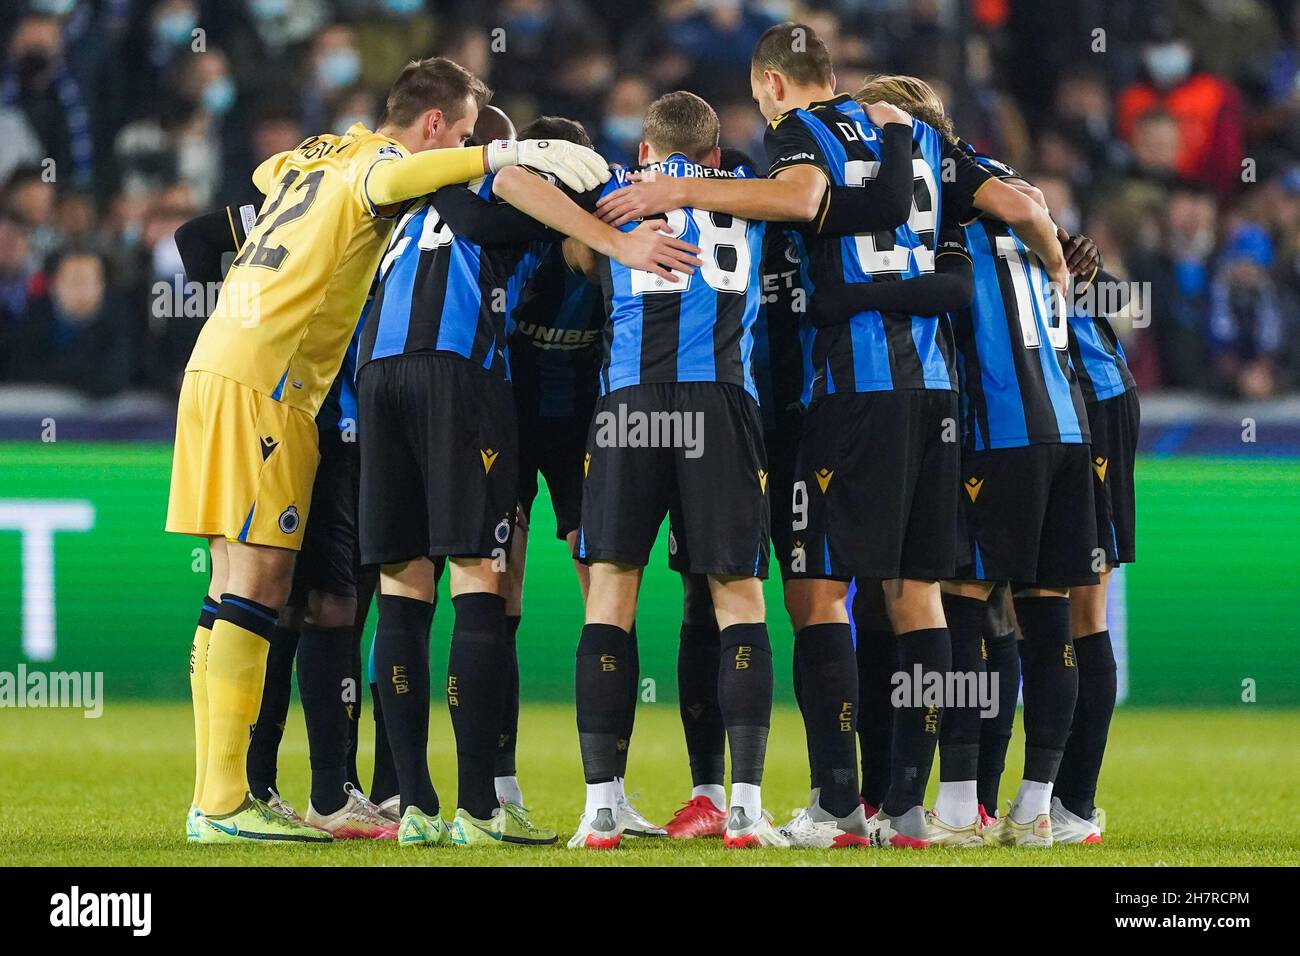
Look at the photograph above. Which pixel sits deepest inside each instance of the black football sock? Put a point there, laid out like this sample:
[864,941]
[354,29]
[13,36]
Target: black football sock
[629,702]
[697,693]
[877,659]
[354,710]
[324,666]
[916,726]
[600,685]
[1051,682]
[402,673]
[995,732]
[264,743]
[383,779]
[829,673]
[745,698]
[959,737]
[476,696]
[796,667]
[1076,781]
[509,735]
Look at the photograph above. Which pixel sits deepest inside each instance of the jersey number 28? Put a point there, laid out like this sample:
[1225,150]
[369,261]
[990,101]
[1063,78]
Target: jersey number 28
[724,254]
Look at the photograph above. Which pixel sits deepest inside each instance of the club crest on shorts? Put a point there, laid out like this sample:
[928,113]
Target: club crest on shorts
[289,520]
[502,531]
[672,542]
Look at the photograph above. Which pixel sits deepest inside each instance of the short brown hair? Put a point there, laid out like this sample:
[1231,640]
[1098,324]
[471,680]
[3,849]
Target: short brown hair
[794,50]
[682,122]
[556,127]
[432,83]
[909,93]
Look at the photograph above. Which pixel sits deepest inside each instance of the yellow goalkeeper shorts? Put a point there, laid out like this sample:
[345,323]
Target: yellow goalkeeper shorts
[243,466]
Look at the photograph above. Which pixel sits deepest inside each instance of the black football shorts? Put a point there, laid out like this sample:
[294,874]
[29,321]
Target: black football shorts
[694,449]
[439,459]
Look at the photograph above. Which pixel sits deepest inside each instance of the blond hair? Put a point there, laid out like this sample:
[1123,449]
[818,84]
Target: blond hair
[908,93]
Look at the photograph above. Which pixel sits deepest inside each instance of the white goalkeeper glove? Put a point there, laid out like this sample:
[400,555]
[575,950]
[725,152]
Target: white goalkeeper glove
[579,168]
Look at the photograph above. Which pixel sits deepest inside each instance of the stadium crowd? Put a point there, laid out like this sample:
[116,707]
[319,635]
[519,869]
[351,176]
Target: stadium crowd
[1169,132]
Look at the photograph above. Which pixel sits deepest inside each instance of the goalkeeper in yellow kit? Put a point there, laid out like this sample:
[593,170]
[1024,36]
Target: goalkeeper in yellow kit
[246,439]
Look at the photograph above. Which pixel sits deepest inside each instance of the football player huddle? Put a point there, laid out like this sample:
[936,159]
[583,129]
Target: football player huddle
[862,355]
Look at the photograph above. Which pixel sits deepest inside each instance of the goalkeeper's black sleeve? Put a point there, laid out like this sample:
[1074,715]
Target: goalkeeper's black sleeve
[205,241]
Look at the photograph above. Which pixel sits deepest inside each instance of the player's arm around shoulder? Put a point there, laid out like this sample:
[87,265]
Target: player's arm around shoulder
[796,195]
[643,248]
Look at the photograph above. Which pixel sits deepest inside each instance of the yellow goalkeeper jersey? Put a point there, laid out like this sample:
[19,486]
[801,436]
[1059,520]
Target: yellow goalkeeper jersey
[290,302]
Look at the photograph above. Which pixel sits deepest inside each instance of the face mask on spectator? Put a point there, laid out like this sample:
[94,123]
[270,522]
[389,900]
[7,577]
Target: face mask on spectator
[219,96]
[175,28]
[622,129]
[338,68]
[53,8]
[528,23]
[403,8]
[268,9]
[32,64]
[1168,63]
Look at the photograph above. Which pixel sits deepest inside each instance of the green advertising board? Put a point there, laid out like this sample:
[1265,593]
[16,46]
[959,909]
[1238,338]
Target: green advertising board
[90,582]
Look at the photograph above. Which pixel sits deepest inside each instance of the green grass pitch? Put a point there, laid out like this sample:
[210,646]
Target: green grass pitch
[1181,787]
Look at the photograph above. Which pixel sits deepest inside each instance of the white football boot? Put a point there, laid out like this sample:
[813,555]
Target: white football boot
[814,828]
[1069,827]
[744,833]
[601,831]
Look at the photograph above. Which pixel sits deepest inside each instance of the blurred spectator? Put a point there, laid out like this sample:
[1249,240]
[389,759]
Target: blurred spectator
[21,145]
[333,67]
[1157,145]
[15,273]
[153,110]
[36,79]
[1248,325]
[74,335]
[1207,108]
[1178,270]
[620,131]
[32,196]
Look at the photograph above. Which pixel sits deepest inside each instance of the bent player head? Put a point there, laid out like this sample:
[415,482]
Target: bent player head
[791,68]
[683,123]
[434,104]
[557,127]
[908,93]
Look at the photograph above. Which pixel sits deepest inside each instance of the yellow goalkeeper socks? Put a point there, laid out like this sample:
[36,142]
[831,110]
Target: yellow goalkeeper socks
[236,671]
[199,692]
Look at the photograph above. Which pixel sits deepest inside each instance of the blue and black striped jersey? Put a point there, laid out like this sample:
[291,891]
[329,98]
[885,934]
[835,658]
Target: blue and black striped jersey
[699,328]
[557,345]
[1097,357]
[441,292]
[1017,386]
[873,351]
